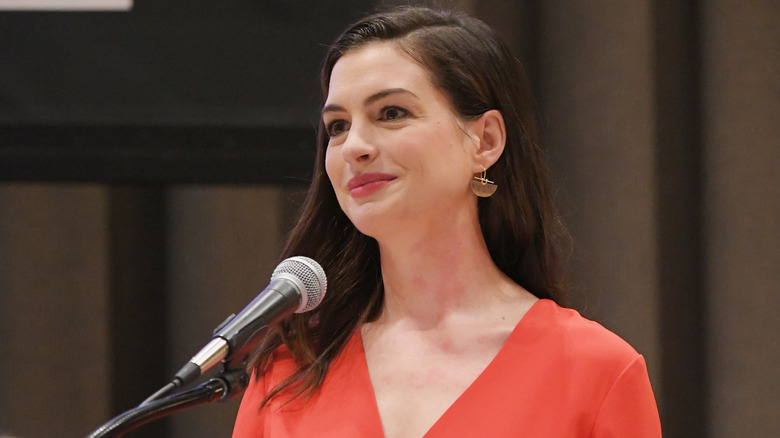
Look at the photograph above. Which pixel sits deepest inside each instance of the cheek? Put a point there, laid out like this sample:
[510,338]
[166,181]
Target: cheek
[332,167]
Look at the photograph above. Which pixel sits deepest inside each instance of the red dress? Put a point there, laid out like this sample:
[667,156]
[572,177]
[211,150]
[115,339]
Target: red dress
[557,375]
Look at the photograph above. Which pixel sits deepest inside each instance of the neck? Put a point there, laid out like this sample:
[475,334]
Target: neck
[444,272]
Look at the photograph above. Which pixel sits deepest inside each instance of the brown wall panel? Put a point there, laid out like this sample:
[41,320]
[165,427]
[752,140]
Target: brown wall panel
[597,97]
[742,206]
[54,372]
[223,244]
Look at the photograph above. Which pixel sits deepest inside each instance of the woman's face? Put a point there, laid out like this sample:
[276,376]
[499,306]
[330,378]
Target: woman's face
[397,155]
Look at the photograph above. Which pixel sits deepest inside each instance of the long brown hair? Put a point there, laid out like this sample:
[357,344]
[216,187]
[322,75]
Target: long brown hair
[477,72]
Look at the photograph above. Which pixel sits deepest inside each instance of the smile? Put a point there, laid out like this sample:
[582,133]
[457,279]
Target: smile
[367,184]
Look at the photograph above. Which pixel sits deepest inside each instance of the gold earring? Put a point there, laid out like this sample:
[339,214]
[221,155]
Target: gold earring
[481,186]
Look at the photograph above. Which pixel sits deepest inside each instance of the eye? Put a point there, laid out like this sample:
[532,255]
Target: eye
[336,127]
[391,113]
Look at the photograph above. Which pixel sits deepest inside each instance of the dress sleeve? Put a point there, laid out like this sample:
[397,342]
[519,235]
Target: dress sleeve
[250,418]
[629,409]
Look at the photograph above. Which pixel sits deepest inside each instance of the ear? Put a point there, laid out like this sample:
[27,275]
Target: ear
[490,133]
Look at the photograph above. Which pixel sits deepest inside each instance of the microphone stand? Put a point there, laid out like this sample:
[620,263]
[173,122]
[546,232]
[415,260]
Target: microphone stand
[228,384]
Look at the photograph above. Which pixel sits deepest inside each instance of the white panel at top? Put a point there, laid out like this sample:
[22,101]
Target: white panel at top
[66,5]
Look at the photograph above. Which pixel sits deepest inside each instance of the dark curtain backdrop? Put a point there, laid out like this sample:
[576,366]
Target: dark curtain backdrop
[152,161]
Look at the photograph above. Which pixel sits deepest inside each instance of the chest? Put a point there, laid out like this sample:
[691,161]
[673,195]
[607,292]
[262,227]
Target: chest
[415,382]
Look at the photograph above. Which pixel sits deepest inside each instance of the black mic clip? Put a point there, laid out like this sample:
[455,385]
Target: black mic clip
[223,323]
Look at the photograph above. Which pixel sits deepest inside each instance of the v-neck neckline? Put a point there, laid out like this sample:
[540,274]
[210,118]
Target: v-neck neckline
[510,340]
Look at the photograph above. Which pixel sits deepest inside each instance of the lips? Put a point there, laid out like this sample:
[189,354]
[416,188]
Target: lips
[368,183]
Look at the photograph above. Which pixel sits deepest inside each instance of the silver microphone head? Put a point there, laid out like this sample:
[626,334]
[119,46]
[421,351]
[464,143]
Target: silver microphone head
[308,275]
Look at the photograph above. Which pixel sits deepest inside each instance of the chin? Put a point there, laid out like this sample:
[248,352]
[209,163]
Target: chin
[366,225]
[370,221]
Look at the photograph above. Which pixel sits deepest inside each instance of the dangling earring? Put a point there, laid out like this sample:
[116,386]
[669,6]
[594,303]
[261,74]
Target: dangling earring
[481,186]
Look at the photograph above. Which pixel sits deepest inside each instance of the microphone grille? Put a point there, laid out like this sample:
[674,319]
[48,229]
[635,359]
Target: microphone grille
[310,275]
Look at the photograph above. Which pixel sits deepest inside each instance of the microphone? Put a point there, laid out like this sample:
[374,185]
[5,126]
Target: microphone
[297,285]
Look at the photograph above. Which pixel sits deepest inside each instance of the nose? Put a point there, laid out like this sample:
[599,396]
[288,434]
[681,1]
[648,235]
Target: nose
[359,145]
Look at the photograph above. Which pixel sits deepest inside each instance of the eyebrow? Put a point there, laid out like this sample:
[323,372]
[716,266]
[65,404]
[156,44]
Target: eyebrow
[370,99]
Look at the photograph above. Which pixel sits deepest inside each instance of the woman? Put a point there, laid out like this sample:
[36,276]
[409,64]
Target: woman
[442,316]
